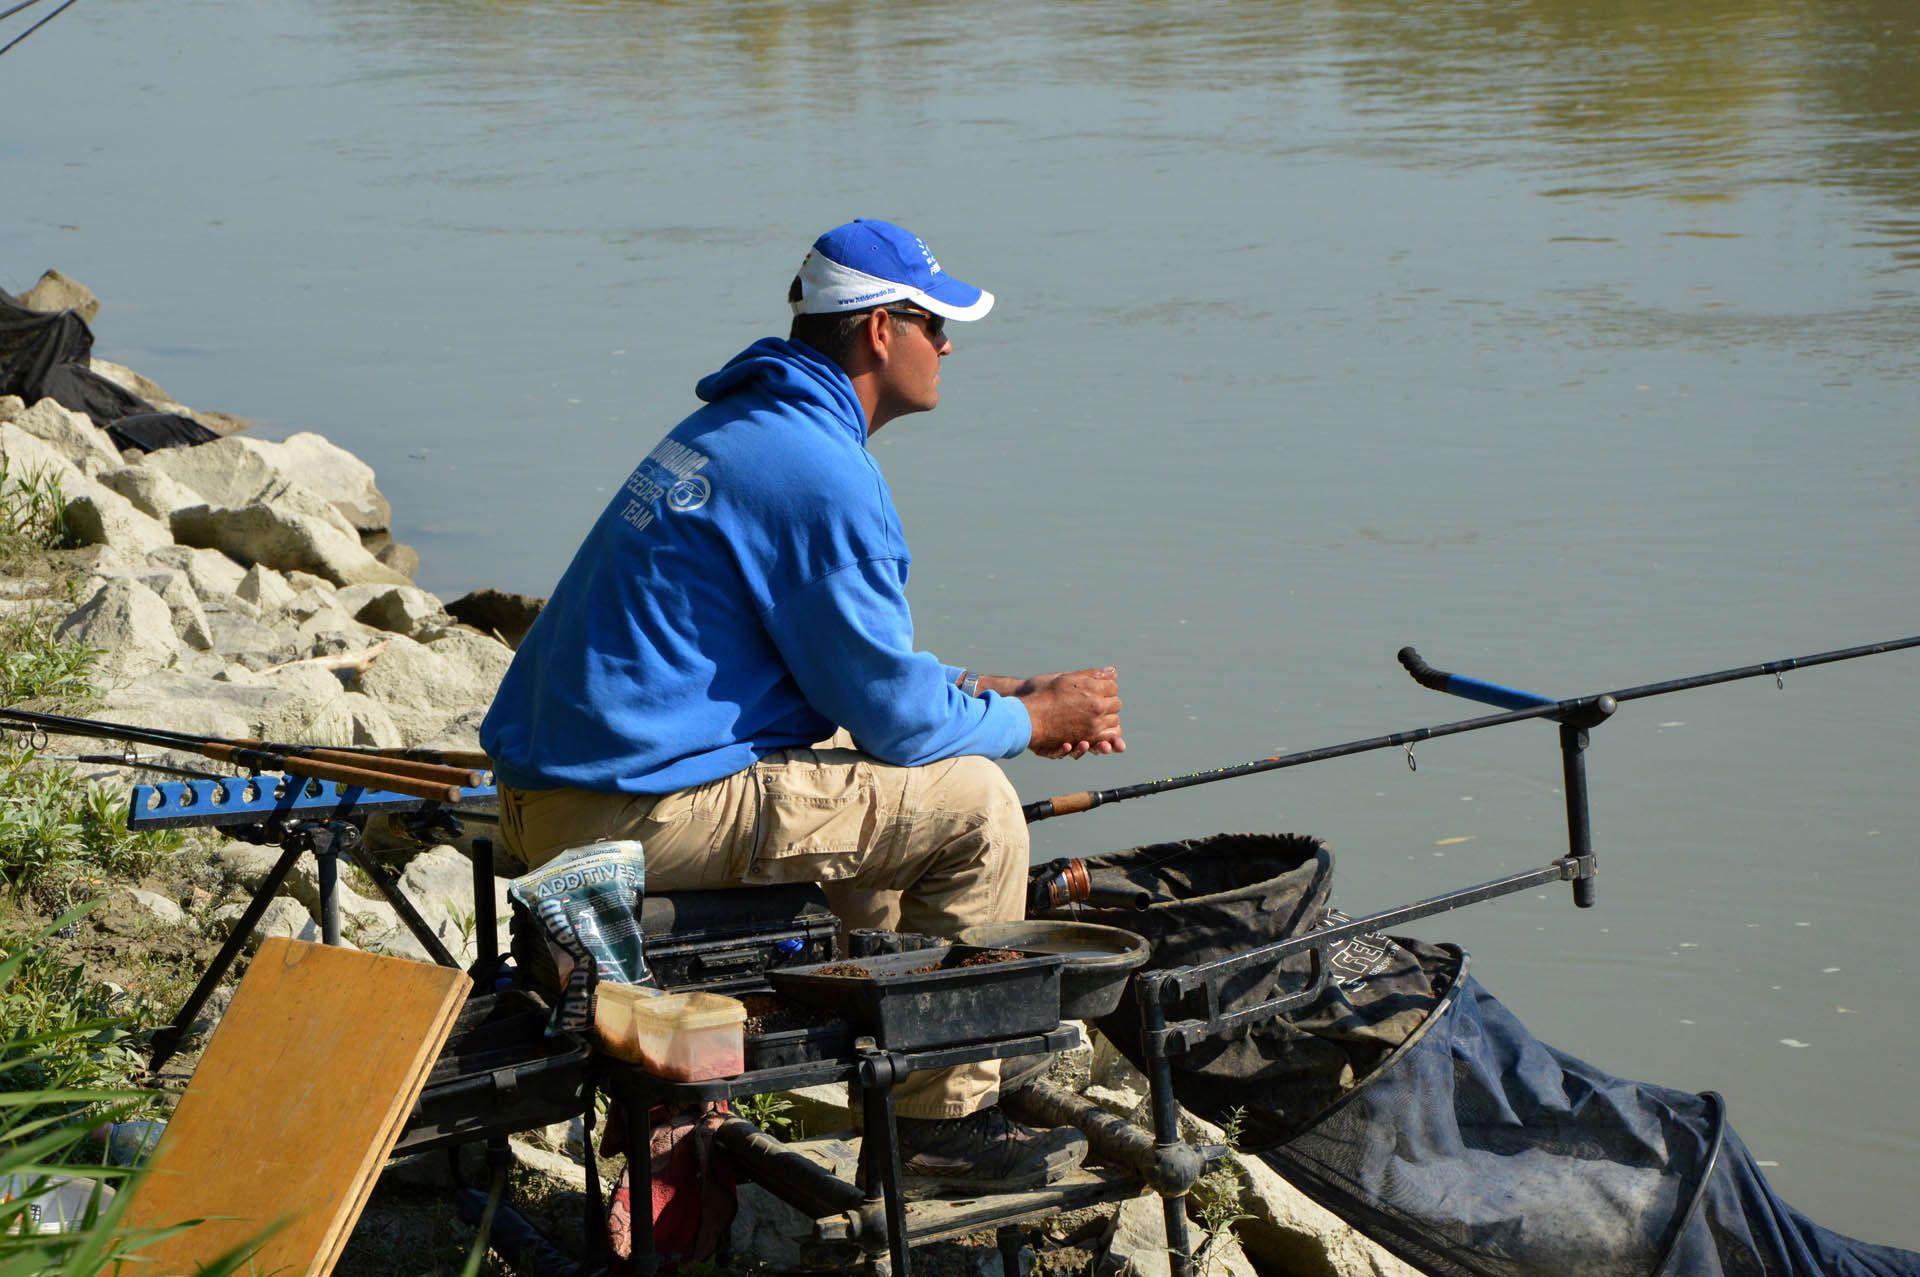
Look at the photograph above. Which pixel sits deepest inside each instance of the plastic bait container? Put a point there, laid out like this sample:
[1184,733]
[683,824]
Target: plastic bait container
[681,1037]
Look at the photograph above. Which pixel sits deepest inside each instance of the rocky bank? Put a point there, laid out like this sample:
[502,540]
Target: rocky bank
[243,588]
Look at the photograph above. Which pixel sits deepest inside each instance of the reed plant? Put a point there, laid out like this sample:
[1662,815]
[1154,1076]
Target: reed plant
[66,1066]
[33,510]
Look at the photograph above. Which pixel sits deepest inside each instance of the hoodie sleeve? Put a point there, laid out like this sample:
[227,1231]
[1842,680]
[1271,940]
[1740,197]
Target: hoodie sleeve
[847,638]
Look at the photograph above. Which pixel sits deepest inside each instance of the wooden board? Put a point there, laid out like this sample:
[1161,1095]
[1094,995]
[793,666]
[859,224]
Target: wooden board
[296,1103]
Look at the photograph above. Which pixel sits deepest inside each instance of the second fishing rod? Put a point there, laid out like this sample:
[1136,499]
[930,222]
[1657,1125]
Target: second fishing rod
[1575,716]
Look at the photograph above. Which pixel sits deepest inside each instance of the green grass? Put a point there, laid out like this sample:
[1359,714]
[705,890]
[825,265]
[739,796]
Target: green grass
[60,835]
[32,511]
[65,1065]
[35,664]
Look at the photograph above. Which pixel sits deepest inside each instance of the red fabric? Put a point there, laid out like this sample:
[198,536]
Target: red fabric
[693,1186]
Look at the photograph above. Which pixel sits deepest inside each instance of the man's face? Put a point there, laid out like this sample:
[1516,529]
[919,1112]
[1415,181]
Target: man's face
[918,343]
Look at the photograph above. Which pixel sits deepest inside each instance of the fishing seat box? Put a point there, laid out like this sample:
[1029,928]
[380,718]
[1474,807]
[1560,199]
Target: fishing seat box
[499,1073]
[726,941]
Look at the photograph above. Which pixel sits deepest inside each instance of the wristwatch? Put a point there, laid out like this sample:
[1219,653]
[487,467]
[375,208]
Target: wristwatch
[970,683]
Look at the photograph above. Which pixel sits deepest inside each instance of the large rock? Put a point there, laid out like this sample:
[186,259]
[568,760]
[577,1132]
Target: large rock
[133,383]
[281,539]
[337,475]
[11,406]
[306,474]
[354,718]
[213,575]
[216,707]
[265,588]
[284,917]
[26,457]
[506,616]
[1288,1232]
[439,883]
[189,618]
[152,491]
[242,636]
[73,433]
[97,515]
[129,625]
[56,292]
[424,686]
[398,609]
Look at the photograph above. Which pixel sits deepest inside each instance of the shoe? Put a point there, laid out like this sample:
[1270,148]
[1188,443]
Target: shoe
[985,1151]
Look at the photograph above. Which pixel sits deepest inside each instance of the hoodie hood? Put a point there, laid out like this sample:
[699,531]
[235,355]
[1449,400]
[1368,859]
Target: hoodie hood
[787,370]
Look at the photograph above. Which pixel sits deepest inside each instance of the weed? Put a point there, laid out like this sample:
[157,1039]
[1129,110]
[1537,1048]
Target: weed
[33,511]
[63,1069]
[36,663]
[1217,1200]
[58,834]
[772,1113]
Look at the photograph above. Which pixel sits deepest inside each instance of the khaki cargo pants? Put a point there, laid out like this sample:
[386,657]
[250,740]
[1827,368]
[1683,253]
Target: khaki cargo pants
[929,849]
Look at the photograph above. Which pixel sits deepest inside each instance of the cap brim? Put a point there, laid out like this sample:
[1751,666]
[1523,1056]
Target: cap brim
[952,299]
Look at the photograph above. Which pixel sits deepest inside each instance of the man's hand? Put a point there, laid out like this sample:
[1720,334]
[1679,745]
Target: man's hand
[1074,714]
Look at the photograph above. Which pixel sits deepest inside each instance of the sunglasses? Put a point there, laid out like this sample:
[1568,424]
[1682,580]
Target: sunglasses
[936,324]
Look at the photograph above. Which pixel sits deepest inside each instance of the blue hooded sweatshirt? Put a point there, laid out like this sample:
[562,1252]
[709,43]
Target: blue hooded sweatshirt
[743,592]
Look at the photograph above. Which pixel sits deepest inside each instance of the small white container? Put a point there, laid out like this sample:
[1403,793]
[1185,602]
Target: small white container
[682,1037]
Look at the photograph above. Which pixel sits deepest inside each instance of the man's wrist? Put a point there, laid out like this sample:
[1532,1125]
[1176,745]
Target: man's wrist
[970,683]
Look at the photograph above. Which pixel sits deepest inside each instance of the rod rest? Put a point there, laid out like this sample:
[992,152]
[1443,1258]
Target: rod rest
[801,1181]
[1168,1171]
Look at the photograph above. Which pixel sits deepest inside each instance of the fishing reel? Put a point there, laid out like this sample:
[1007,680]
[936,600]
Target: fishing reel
[1065,883]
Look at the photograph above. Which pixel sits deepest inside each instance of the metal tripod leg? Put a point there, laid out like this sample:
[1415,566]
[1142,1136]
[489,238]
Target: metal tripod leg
[166,1040]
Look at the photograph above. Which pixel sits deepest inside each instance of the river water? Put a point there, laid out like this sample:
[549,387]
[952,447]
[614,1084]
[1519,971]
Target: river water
[1574,344]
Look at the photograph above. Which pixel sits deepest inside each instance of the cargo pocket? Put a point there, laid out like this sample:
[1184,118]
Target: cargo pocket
[817,821]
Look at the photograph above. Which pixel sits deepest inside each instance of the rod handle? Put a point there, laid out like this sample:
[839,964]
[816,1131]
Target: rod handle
[365,778]
[433,773]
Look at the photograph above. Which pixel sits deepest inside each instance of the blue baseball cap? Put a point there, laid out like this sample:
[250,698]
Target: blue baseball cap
[868,263]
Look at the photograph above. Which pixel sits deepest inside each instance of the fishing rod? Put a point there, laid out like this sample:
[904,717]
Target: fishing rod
[434,773]
[419,780]
[1580,710]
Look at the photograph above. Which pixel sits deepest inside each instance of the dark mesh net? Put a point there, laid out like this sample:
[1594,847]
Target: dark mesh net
[1410,1102]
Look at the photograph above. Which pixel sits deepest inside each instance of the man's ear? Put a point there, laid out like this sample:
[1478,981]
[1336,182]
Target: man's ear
[876,335]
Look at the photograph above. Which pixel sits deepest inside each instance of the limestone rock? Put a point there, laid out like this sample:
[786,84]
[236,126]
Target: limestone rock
[56,292]
[506,616]
[98,515]
[439,882]
[281,539]
[336,474]
[189,618]
[423,685]
[128,625]
[399,556]
[11,406]
[1291,1233]
[73,433]
[26,455]
[265,588]
[151,491]
[133,383]
[212,707]
[283,917]
[1137,1241]
[213,575]
[399,609]
[243,862]
[161,909]
[246,639]
[304,475]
